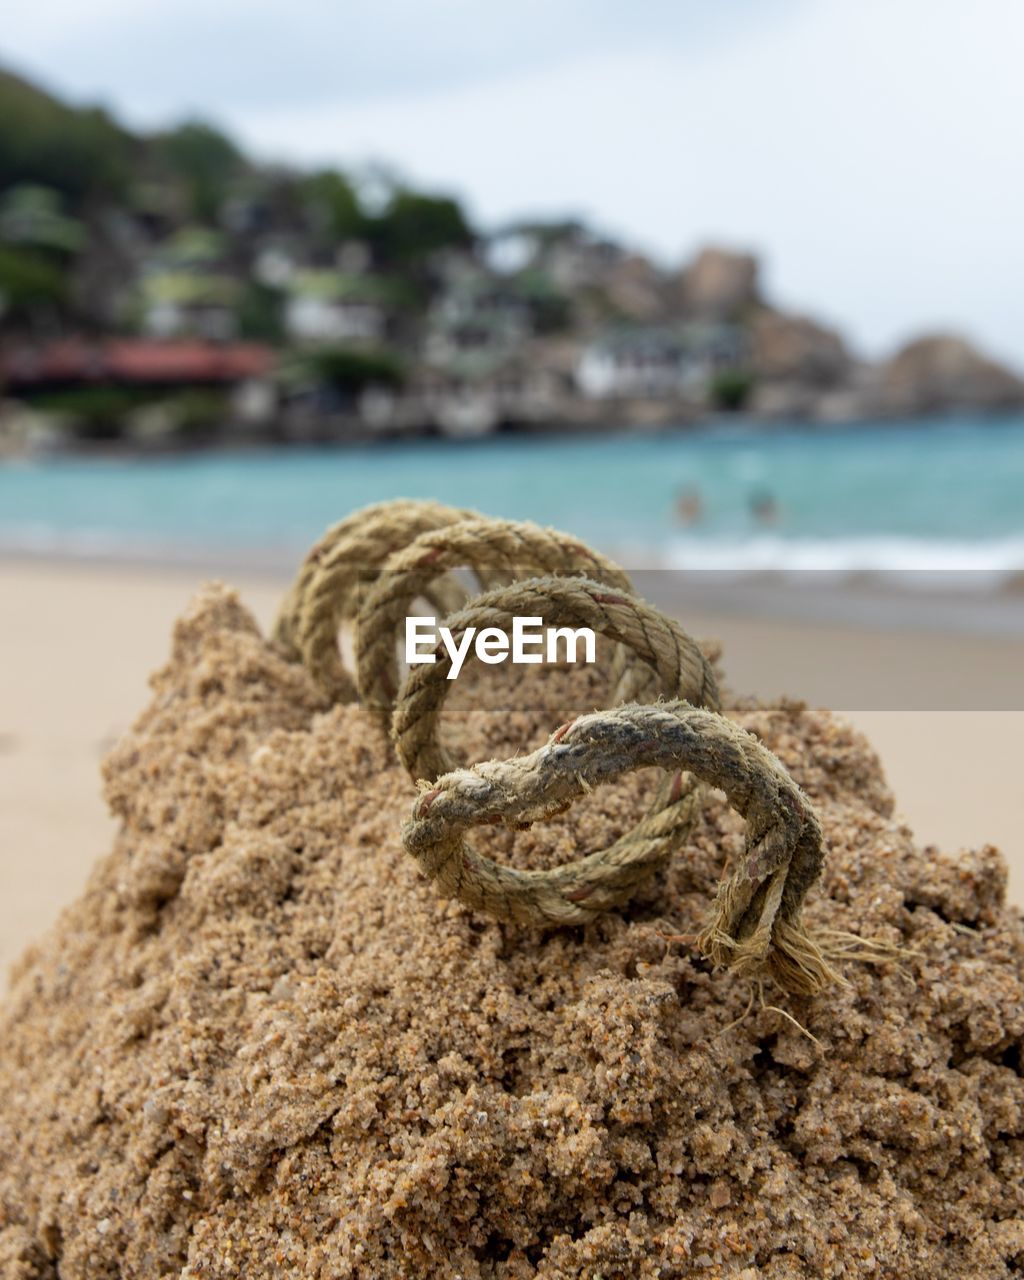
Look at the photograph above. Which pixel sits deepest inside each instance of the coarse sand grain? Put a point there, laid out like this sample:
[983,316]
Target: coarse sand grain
[261,1045]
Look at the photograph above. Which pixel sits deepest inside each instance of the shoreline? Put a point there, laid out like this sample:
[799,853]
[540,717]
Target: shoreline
[623,421]
[872,601]
[82,638]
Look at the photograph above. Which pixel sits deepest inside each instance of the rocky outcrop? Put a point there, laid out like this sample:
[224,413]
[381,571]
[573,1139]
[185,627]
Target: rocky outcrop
[719,284]
[944,371]
[636,289]
[796,349]
[854,401]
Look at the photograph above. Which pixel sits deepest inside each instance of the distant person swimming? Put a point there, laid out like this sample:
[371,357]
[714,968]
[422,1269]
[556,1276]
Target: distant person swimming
[764,508]
[689,506]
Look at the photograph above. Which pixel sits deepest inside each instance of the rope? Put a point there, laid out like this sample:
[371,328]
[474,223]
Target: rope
[326,588]
[682,670]
[407,549]
[677,665]
[483,544]
[755,928]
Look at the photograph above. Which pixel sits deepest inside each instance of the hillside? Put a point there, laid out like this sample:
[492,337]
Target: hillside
[379,309]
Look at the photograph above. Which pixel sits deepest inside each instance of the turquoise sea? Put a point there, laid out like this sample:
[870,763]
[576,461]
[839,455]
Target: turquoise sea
[943,494]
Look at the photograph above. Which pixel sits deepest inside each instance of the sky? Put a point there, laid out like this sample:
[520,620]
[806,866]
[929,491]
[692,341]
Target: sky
[868,150]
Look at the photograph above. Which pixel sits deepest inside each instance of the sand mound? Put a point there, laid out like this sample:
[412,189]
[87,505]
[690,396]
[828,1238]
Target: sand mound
[261,1045]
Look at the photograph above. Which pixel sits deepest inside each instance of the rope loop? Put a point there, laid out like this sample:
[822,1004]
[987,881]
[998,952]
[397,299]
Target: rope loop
[680,668]
[755,927]
[326,590]
[522,550]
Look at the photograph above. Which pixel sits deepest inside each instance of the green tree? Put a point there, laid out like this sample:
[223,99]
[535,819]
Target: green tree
[78,152]
[730,389]
[93,413]
[204,160]
[412,225]
[333,205]
[32,288]
[550,309]
[349,370]
[261,313]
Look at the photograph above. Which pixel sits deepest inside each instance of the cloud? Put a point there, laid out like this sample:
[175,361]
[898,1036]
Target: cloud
[242,54]
[869,150]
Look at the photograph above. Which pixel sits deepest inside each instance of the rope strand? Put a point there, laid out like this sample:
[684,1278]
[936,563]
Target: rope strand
[755,927]
[326,589]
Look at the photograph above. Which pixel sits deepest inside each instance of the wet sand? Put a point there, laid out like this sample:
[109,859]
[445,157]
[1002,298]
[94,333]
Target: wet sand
[79,642]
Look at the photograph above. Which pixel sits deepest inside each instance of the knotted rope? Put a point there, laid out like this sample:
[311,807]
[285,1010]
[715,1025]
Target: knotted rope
[404,549]
[755,927]
[681,669]
[525,549]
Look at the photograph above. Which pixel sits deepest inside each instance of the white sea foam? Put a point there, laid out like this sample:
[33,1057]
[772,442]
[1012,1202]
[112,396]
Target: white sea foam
[990,562]
[982,564]
[39,538]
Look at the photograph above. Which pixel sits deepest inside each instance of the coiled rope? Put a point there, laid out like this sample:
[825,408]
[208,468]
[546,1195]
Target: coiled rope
[403,550]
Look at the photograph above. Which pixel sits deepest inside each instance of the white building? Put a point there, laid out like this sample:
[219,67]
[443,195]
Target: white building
[325,306]
[658,363]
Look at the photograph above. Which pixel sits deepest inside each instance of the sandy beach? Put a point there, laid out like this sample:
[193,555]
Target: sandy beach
[79,642]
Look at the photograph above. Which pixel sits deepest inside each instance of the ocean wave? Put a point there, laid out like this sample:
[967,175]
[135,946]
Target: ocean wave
[40,538]
[983,563]
[935,564]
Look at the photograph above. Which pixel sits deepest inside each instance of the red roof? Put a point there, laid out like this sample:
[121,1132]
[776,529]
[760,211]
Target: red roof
[128,360]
